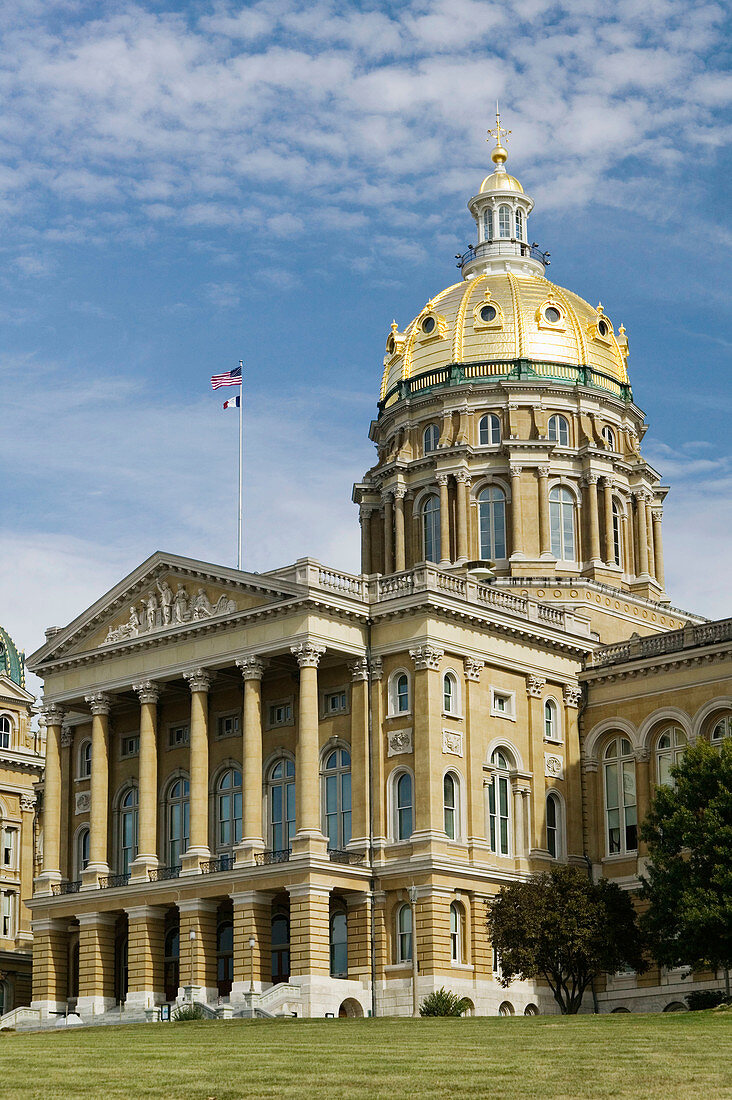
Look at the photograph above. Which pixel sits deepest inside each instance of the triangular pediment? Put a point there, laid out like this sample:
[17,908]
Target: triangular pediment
[11,693]
[166,594]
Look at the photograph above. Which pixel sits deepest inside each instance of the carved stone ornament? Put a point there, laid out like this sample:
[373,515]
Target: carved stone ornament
[161,609]
[553,766]
[535,686]
[52,714]
[198,679]
[252,668]
[572,695]
[147,691]
[399,741]
[452,742]
[359,669]
[307,654]
[99,703]
[377,668]
[27,802]
[473,669]
[426,656]
[83,802]
[67,736]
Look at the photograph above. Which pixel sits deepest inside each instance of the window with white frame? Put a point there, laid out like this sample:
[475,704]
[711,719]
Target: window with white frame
[398,693]
[82,849]
[404,934]
[457,933]
[6,731]
[559,430]
[552,731]
[608,436]
[721,728]
[617,533]
[504,220]
[562,523]
[403,792]
[9,850]
[281,801]
[85,759]
[669,751]
[450,694]
[228,811]
[129,745]
[503,704]
[489,430]
[430,438]
[178,736]
[337,798]
[488,224]
[178,816]
[128,825]
[554,825]
[228,725]
[519,224]
[8,914]
[492,523]
[279,713]
[499,804]
[335,702]
[451,805]
[431,538]
[621,814]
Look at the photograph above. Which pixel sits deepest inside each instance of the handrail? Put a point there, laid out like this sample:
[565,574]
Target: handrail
[58,888]
[280,855]
[161,874]
[503,246]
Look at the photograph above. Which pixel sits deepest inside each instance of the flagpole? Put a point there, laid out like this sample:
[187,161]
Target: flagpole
[241,464]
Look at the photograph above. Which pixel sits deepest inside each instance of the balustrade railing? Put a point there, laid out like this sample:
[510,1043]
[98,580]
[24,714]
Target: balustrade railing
[160,874]
[58,888]
[219,863]
[109,882]
[674,641]
[264,859]
[340,855]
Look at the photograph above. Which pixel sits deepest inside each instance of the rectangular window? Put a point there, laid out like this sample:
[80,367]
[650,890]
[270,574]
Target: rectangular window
[228,725]
[503,704]
[280,714]
[178,735]
[335,702]
[8,915]
[9,849]
[130,745]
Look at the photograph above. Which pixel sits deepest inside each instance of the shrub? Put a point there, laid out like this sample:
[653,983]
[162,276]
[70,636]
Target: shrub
[444,1003]
[705,998]
[188,1012]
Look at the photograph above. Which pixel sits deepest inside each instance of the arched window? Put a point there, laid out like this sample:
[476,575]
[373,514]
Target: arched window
[608,436]
[85,759]
[562,523]
[398,693]
[403,806]
[620,800]
[280,946]
[554,826]
[722,728]
[337,798]
[430,439]
[127,830]
[338,944]
[669,750]
[488,224]
[451,803]
[504,221]
[519,224]
[178,820]
[457,933]
[617,534]
[404,934]
[171,965]
[492,519]
[228,811]
[499,805]
[489,430]
[281,790]
[559,430]
[431,528]
[224,956]
[6,730]
[552,731]
[82,850]
[450,693]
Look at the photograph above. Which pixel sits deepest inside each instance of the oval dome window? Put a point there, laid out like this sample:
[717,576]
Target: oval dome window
[552,315]
[602,328]
[488,313]
[428,325]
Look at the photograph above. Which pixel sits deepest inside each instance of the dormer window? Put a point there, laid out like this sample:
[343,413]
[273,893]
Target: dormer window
[602,328]
[504,221]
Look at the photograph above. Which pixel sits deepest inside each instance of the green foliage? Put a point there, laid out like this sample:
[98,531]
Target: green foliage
[705,998]
[689,877]
[563,928]
[442,1002]
[188,1012]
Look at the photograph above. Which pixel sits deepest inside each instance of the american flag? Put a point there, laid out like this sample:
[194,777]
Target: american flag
[231,378]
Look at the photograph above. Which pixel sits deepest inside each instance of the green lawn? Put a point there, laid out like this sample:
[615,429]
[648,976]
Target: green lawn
[674,1055]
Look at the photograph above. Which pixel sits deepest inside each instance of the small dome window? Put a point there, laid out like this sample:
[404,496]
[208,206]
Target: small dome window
[519,225]
[504,221]
[602,328]
[552,315]
[428,325]
[391,345]
[488,313]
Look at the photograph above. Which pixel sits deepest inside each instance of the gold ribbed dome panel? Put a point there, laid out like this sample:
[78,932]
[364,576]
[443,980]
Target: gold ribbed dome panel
[500,181]
[523,332]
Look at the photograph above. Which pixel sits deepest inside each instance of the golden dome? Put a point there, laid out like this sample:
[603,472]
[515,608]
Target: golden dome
[500,181]
[500,318]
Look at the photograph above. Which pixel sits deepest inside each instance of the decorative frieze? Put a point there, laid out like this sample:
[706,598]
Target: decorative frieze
[426,657]
[553,766]
[452,742]
[161,609]
[399,742]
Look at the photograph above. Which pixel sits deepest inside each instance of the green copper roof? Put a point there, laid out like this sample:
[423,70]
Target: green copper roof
[12,661]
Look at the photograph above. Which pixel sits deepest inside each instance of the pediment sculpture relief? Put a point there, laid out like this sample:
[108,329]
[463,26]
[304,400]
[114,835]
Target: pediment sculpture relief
[164,608]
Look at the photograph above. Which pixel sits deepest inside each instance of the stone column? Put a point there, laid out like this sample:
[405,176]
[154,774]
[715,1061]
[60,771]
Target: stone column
[572,695]
[147,847]
[463,494]
[50,965]
[545,537]
[640,499]
[197,951]
[252,840]
[517,549]
[428,821]
[409,546]
[96,961]
[593,826]
[388,533]
[642,792]
[378,751]
[67,811]
[649,532]
[474,750]
[535,691]
[309,934]
[53,716]
[607,484]
[399,542]
[307,762]
[98,814]
[627,542]
[199,681]
[252,919]
[445,558]
[658,547]
[359,753]
[26,853]
[365,517]
[593,517]
[145,956]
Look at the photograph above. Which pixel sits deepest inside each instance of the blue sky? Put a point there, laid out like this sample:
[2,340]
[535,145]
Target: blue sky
[182,185]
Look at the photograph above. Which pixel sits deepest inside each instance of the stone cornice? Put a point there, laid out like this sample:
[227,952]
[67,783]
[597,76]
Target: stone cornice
[647,666]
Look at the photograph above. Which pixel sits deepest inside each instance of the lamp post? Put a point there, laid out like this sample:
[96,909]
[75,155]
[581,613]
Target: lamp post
[413,894]
[252,944]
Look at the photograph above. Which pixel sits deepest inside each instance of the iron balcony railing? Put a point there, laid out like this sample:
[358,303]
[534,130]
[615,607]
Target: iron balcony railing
[339,855]
[220,863]
[66,887]
[504,247]
[160,874]
[108,882]
[281,855]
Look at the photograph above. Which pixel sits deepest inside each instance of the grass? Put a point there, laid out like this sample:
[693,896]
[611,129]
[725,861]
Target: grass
[650,1056]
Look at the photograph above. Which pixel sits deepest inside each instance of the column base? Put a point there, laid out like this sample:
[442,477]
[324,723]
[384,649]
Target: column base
[140,867]
[49,1008]
[43,885]
[94,1005]
[190,861]
[310,843]
[245,852]
[90,877]
[143,998]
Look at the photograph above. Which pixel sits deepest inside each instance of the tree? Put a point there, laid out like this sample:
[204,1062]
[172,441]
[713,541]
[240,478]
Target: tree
[688,884]
[566,929]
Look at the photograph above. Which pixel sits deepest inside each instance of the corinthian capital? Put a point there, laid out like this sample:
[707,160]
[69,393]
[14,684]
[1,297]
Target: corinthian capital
[359,669]
[426,656]
[99,702]
[147,691]
[198,679]
[535,686]
[473,669]
[572,695]
[307,654]
[252,668]
[52,714]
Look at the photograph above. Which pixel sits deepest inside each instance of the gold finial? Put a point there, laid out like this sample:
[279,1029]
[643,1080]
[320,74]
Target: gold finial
[499,156]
